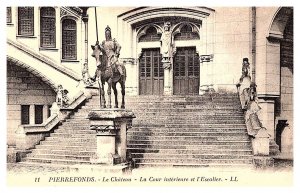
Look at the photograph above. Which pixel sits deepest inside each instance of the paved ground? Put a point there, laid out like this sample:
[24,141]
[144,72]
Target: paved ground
[16,168]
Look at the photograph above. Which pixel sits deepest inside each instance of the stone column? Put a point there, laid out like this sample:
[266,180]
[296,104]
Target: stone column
[31,115]
[111,127]
[45,112]
[266,115]
[167,77]
[85,19]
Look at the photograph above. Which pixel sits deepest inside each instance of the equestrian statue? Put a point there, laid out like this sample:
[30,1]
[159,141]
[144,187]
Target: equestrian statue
[109,69]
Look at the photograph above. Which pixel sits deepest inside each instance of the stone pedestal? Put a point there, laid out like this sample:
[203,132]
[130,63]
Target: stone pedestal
[90,91]
[111,126]
[260,143]
[287,142]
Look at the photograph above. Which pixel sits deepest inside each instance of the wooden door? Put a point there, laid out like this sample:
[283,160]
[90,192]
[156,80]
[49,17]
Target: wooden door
[151,81]
[186,71]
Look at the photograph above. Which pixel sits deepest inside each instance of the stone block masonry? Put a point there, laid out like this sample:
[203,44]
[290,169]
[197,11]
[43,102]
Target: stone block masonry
[24,88]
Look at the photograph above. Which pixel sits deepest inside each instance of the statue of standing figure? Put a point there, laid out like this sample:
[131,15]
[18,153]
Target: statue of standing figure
[166,44]
[245,69]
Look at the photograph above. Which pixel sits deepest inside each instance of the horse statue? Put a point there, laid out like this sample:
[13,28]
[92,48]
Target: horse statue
[108,72]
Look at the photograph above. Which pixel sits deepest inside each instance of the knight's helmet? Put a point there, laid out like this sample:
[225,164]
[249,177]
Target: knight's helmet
[107,33]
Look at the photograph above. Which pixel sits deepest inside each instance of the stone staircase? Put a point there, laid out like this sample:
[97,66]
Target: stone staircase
[189,131]
[72,142]
[168,130]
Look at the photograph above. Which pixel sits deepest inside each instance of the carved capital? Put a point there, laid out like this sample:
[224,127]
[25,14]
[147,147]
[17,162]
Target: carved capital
[104,129]
[206,58]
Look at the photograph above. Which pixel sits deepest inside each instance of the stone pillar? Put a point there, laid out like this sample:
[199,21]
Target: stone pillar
[266,116]
[111,126]
[287,142]
[31,115]
[85,19]
[167,77]
[45,112]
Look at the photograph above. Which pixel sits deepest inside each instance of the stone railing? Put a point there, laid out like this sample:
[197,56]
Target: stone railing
[28,136]
[65,112]
[249,102]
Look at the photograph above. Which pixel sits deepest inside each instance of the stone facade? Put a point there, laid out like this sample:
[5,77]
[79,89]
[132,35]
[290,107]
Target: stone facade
[24,88]
[226,35]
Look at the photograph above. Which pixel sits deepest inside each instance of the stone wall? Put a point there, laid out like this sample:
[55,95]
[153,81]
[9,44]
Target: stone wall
[232,43]
[24,88]
[286,69]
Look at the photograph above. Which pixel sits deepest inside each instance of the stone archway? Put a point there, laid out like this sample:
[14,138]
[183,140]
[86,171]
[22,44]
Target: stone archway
[270,72]
[131,26]
[29,97]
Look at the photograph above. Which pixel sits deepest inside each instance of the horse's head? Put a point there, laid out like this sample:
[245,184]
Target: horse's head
[96,53]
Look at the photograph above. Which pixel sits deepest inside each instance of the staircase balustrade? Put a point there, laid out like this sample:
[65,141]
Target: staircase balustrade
[249,102]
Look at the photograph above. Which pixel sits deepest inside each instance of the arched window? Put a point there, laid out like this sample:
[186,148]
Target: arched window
[25,21]
[186,33]
[69,39]
[48,28]
[150,36]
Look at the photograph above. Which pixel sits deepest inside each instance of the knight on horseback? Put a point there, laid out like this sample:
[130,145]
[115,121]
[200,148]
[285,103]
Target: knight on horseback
[108,68]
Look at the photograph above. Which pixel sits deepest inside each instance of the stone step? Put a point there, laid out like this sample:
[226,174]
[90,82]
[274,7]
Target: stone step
[141,112]
[201,129]
[194,161]
[183,122]
[172,97]
[200,147]
[56,161]
[162,115]
[204,138]
[67,138]
[81,121]
[60,157]
[175,134]
[75,130]
[67,147]
[183,143]
[72,135]
[70,142]
[63,152]
[150,104]
[213,150]
[188,156]
[196,165]
[215,125]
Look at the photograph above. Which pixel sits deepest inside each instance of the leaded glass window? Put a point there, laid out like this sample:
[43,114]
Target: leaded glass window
[48,28]
[69,39]
[26,21]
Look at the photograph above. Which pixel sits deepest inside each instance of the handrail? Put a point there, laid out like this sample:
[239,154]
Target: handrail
[249,103]
[44,59]
[77,100]
[49,124]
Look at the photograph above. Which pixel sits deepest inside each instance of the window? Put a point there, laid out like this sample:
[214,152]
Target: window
[25,21]
[69,39]
[47,24]
[38,113]
[150,36]
[24,114]
[8,15]
[186,33]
